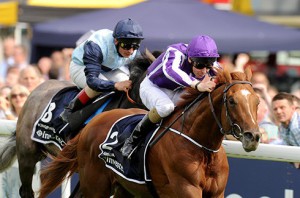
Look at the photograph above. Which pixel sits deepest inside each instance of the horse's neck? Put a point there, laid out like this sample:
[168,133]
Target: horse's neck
[201,125]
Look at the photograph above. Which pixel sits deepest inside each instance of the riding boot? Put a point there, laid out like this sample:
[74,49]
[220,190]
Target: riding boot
[146,124]
[76,104]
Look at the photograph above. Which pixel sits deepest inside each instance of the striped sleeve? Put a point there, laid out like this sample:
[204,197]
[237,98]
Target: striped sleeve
[172,63]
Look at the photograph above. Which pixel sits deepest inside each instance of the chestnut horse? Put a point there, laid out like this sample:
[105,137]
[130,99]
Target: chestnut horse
[188,161]
[30,152]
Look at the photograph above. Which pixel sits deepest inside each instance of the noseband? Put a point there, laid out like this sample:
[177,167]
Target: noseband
[235,129]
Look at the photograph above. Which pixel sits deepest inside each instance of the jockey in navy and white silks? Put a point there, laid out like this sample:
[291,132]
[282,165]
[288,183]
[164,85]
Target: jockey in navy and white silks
[98,55]
[99,64]
[180,66]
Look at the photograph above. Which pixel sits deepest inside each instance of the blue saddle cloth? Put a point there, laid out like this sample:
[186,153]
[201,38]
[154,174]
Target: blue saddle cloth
[132,169]
[50,128]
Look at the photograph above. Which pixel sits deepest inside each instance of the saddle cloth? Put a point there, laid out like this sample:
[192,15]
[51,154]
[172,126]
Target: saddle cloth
[50,128]
[133,169]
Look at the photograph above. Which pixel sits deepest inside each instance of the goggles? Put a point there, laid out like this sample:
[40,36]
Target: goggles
[128,46]
[202,65]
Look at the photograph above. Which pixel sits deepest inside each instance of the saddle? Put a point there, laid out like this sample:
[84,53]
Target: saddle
[133,169]
[50,128]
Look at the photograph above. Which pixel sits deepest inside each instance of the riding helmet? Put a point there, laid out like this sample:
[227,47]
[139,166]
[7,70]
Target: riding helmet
[128,29]
[203,47]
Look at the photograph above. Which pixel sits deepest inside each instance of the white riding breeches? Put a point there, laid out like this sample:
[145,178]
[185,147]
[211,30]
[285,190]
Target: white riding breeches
[154,96]
[78,76]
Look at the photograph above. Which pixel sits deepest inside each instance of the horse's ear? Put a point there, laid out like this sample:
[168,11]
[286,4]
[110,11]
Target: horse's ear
[220,76]
[227,75]
[248,73]
[149,55]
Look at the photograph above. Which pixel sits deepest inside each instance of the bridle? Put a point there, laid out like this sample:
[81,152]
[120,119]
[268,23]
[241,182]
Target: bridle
[235,129]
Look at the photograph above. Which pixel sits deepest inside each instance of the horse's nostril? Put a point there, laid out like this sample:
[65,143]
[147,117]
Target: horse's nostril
[257,137]
[248,135]
[252,136]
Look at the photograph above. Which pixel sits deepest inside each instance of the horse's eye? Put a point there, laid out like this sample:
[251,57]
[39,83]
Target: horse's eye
[231,101]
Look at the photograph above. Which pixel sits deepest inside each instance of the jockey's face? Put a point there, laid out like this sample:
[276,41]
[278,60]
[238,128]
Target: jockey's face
[199,70]
[126,53]
[126,49]
[199,73]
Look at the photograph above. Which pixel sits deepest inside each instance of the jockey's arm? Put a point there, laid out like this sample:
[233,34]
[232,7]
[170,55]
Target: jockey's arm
[172,68]
[92,59]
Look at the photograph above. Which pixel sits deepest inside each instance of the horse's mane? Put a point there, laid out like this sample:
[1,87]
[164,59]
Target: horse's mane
[223,77]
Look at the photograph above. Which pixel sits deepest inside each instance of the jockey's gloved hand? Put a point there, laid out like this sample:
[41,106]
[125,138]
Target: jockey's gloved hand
[205,85]
[123,85]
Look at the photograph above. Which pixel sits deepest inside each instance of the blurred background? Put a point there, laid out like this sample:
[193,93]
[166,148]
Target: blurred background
[47,26]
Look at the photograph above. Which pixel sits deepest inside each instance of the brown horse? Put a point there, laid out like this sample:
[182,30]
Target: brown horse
[188,161]
[30,152]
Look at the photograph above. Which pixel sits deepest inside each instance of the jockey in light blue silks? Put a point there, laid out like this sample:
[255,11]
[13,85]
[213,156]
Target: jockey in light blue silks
[99,64]
[180,66]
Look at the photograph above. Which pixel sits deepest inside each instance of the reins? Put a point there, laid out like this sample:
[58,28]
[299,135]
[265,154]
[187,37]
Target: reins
[128,97]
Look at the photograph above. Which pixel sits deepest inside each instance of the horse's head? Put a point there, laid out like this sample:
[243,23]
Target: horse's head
[231,109]
[239,111]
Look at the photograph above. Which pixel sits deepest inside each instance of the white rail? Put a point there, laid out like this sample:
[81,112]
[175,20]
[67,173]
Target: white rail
[264,152]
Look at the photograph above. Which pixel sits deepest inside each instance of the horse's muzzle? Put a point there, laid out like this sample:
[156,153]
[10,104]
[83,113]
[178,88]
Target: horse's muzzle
[250,140]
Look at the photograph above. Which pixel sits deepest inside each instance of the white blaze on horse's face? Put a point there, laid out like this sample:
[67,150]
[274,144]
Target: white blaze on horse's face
[245,93]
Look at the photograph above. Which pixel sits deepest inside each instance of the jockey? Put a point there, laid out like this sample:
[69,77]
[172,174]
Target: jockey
[180,65]
[98,64]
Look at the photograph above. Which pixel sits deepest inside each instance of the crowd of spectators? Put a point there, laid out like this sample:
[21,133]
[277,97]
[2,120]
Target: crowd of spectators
[17,79]
[17,74]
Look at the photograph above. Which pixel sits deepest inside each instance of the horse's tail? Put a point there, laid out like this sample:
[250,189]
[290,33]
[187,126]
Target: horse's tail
[62,167]
[8,152]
